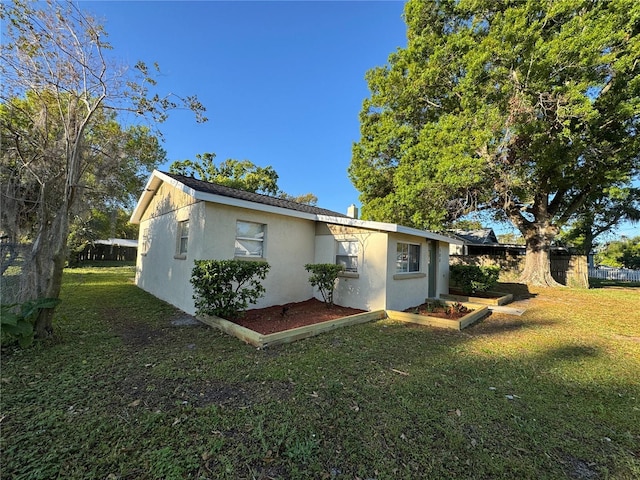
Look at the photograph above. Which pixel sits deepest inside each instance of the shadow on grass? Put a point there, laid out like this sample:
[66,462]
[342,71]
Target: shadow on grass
[501,323]
[520,291]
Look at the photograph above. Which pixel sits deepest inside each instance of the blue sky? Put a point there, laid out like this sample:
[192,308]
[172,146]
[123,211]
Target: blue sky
[283,82]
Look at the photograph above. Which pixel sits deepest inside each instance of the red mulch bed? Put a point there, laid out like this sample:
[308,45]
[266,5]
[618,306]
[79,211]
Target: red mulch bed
[440,312]
[291,315]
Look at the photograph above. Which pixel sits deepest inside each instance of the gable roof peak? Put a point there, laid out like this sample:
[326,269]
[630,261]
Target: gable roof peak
[225,191]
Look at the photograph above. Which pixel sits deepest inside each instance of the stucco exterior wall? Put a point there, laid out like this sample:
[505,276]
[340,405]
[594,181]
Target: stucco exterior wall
[288,246]
[159,271]
[366,288]
[405,290]
[166,200]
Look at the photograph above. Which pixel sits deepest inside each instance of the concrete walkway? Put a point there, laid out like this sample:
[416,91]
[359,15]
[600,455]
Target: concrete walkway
[507,310]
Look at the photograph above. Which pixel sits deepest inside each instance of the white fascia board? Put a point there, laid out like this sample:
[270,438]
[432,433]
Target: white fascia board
[158,177]
[354,222]
[429,235]
[143,202]
[388,227]
[150,189]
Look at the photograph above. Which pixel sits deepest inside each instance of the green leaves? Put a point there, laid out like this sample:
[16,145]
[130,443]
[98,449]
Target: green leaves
[240,174]
[524,109]
[323,276]
[225,288]
[472,278]
[17,319]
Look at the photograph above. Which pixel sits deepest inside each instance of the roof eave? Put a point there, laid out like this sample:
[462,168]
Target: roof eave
[248,204]
[388,227]
[157,178]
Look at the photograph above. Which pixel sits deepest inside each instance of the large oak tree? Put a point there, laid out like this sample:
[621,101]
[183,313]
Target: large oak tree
[525,108]
[64,107]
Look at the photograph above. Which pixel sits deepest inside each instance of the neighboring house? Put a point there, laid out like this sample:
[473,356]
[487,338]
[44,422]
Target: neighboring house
[484,241]
[112,249]
[183,219]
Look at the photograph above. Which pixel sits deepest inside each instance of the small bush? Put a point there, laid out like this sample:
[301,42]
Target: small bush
[472,278]
[324,277]
[225,288]
[17,319]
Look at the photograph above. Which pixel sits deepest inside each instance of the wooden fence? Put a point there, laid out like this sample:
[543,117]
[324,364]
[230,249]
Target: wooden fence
[570,270]
[100,252]
[621,274]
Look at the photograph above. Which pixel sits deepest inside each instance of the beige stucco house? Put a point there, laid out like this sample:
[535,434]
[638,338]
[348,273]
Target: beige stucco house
[183,219]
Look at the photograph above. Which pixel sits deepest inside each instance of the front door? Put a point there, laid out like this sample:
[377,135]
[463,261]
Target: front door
[433,268]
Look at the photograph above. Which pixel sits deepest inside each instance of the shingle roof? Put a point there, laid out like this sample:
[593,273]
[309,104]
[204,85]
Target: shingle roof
[217,189]
[482,236]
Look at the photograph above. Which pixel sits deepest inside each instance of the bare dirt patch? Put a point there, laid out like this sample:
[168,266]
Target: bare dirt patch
[144,389]
[279,318]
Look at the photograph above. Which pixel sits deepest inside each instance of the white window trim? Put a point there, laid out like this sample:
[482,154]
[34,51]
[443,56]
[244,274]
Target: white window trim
[409,272]
[145,241]
[180,254]
[251,239]
[348,273]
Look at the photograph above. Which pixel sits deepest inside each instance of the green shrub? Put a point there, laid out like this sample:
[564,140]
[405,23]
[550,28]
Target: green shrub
[17,319]
[225,288]
[324,277]
[472,278]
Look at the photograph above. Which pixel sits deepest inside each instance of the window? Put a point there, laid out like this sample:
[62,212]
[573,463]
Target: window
[347,255]
[408,258]
[249,239]
[145,241]
[183,237]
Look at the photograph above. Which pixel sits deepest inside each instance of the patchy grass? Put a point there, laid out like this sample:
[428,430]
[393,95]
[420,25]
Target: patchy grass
[601,283]
[122,393]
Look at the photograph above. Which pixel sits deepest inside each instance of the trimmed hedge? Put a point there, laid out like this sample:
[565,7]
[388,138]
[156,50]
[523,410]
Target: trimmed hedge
[472,278]
[225,288]
[323,276]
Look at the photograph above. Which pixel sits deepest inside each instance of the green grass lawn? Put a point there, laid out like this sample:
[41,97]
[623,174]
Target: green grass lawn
[123,394]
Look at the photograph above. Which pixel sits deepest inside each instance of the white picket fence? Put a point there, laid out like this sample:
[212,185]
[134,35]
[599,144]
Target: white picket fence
[622,274]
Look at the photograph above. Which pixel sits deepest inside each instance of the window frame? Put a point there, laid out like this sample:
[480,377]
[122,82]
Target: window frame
[409,261]
[145,241]
[255,239]
[182,244]
[347,255]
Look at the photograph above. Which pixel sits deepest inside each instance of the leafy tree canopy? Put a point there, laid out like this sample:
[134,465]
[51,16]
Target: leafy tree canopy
[511,239]
[624,253]
[521,108]
[465,224]
[65,107]
[600,214]
[116,162]
[240,174]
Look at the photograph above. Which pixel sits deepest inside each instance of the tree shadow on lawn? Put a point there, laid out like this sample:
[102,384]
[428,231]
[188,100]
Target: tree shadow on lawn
[520,291]
[495,323]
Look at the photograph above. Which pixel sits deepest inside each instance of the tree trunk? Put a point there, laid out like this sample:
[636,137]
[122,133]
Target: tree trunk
[45,268]
[537,270]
